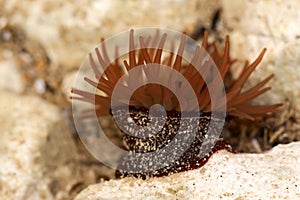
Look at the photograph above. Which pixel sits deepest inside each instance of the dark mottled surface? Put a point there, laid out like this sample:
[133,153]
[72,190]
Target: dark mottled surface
[162,152]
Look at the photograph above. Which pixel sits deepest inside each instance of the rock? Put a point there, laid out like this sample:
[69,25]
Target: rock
[272,175]
[10,78]
[271,24]
[254,25]
[68,83]
[26,123]
[68,30]
[39,158]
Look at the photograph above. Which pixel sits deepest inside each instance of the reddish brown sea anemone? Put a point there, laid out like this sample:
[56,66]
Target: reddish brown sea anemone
[238,101]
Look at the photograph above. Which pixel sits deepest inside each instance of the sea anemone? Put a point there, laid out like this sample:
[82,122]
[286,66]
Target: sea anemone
[237,100]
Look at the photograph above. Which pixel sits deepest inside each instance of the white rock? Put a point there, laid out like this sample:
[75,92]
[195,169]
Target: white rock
[68,30]
[272,175]
[10,78]
[38,156]
[25,125]
[274,19]
[68,83]
[274,25]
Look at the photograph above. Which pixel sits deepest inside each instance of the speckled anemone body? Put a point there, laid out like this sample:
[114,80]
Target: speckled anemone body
[238,101]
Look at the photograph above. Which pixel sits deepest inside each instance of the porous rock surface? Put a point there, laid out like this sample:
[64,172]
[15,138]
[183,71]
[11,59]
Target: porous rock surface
[68,29]
[272,175]
[24,130]
[10,79]
[254,25]
[38,157]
